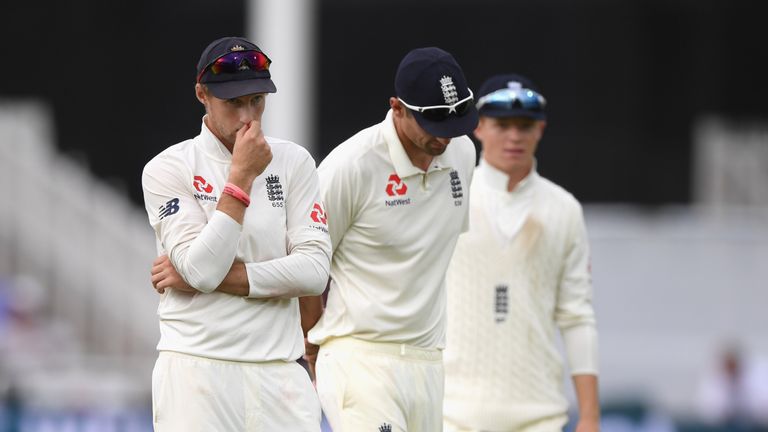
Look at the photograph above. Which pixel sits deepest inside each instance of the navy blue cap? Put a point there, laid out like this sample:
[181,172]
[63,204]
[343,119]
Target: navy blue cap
[515,82]
[232,85]
[430,77]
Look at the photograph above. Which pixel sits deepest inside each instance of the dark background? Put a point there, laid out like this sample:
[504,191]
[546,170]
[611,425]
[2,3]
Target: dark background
[625,80]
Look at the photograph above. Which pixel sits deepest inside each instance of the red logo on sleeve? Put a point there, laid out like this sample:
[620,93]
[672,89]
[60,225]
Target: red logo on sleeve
[201,185]
[318,214]
[395,186]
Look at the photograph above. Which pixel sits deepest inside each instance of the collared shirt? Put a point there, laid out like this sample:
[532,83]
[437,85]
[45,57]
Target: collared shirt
[520,274]
[283,242]
[510,208]
[393,227]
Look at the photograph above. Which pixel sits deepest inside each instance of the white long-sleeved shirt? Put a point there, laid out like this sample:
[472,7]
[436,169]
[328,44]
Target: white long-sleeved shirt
[520,273]
[393,228]
[283,242]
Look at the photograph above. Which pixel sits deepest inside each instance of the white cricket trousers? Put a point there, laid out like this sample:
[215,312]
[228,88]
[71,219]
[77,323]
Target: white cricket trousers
[387,387]
[191,393]
[552,424]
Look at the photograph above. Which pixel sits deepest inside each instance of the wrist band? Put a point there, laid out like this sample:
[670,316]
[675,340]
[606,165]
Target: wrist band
[237,193]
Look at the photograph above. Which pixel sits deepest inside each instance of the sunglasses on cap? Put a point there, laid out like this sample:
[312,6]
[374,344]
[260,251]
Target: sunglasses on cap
[513,98]
[237,61]
[441,112]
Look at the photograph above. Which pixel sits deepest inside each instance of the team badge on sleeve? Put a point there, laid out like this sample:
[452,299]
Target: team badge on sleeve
[169,208]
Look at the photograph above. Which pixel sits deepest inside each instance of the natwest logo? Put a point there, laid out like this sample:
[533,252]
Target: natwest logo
[201,185]
[318,214]
[395,186]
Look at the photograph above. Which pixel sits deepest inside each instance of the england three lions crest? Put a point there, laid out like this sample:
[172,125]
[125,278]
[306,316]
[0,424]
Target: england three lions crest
[456,190]
[275,190]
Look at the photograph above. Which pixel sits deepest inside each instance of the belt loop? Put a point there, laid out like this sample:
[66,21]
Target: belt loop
[402,349]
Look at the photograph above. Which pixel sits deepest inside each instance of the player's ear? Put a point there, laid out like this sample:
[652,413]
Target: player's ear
[201,92]
[480,128]
[398,109]
[538,129]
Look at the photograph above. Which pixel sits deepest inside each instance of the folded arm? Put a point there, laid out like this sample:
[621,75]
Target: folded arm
[203,252]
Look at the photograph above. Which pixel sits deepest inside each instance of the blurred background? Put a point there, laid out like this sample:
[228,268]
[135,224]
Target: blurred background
[657,122]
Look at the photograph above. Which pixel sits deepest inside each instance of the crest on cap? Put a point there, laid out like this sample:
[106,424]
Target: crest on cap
[430,77]
[246,80]
[514,85]
[450,94]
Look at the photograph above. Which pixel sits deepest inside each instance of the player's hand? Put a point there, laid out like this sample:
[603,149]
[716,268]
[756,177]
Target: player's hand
[310,356]
[165,276]
[251,154]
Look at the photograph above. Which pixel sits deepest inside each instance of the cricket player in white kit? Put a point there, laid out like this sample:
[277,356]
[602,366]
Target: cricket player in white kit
[397,198]
[518,275]
[242,233]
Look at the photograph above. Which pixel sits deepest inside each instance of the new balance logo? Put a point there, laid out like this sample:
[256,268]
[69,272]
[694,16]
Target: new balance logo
[395,186]
[169,208]
[385,427]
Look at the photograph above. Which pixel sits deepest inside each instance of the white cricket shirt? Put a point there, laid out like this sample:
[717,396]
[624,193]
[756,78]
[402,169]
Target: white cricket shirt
[283,242]
[520,273]
[393,228]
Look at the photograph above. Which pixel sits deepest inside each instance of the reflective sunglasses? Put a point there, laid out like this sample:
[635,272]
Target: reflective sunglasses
[237,61]
[513,98]
[441,112]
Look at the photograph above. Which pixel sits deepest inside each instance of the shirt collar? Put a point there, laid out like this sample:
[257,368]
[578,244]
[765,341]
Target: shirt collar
[403,165]
[499,180]
[212,146]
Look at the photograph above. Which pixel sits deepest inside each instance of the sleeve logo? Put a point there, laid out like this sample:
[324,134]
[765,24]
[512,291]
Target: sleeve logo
[318,214]
[169,208]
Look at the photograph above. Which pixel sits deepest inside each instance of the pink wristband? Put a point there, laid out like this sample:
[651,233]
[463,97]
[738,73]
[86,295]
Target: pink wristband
[237,193]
